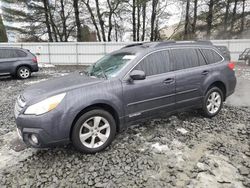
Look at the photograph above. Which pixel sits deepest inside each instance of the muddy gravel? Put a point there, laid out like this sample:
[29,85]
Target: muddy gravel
[183,150]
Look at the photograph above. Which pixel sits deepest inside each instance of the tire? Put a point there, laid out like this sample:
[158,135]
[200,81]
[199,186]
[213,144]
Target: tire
[23,72]
[211,104]
[85,132]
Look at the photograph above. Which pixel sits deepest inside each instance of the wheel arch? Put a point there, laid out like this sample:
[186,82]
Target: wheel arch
[221,86]
[102,106]
[22,65]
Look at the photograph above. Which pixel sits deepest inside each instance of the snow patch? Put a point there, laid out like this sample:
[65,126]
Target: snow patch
[182,130]
[45,65]
[34,82]
[160,148]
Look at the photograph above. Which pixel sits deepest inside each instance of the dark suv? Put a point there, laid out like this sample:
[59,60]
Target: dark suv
[17,62]
[137,82]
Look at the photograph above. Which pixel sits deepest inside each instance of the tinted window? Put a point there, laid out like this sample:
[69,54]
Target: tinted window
[187,58]
[20,53]
[155,63]
[11,53]
[211,56]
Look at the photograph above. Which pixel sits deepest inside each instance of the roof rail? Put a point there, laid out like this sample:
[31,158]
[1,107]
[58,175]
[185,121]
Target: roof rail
[134,44]
[204,41]
[164,43]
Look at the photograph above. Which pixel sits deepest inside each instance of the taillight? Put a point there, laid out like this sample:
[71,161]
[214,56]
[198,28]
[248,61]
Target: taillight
[34,60]
[231,65]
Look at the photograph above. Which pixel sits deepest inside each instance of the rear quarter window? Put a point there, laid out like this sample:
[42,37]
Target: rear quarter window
[20,53]
[187,58]
[211,56]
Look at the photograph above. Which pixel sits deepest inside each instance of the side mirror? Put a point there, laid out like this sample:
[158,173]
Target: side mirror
[137,75]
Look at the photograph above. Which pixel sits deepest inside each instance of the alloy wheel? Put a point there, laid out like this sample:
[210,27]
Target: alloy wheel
[214,102]
[24,73]
[94,132]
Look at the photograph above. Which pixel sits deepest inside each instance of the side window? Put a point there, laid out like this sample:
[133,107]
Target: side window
[155,63]
[202,61]
[211,56]
[20,53]
[8,53]
[186,58]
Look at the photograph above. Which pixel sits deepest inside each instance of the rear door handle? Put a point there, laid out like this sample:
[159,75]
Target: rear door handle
[205,72]
[168,80]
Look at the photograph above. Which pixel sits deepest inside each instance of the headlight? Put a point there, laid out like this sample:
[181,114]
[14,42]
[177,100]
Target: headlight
[45,105]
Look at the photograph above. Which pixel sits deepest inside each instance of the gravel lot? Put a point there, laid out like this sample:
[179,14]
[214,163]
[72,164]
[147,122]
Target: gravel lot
[184,150]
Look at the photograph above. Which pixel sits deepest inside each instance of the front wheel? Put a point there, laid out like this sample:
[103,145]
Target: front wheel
[93,131]
[213,102]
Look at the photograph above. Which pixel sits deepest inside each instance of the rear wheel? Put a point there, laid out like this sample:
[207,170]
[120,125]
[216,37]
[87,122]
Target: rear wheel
[213,102]
[93,131]
[23,72]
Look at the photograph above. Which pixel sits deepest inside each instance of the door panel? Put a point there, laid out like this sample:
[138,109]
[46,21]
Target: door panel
[188,87]
[144,98]
[6,65]
[191,72]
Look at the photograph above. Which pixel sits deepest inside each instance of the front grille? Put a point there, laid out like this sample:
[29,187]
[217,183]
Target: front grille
[20,103]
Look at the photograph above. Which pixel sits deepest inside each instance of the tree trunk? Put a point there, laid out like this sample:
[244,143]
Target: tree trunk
[187,20]
[52,22]
[153,17]
[93,20]
[138,19]
[77,19]
[64,38]
[210,18]
[45,5]
[233,16]
[226,16]
[143,20]
[243,16]
[110,20]
[101,22]
[195,17]
[133,21]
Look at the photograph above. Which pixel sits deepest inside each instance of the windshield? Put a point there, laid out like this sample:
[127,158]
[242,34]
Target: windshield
[109,65]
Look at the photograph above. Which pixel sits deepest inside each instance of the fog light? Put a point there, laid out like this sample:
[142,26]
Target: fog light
[34,139]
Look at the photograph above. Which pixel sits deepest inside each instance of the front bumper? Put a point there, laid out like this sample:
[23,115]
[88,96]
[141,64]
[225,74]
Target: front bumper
[51,128]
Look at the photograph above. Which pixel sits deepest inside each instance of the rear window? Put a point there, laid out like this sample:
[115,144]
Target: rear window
[11,53]
[211,56]
[187,58]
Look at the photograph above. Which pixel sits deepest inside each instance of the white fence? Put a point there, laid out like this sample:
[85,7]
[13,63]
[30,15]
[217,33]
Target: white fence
[86,53]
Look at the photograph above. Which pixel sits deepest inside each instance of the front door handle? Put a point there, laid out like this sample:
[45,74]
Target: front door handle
[205,72]
[168,80]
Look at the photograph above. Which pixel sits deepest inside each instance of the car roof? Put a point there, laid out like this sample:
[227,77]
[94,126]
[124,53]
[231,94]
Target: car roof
[145,47]
[17,48]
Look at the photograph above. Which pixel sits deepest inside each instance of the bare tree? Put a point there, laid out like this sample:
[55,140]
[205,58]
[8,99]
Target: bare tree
[153,17]
[195,17]
[186,29]
[77,20]
[210,18]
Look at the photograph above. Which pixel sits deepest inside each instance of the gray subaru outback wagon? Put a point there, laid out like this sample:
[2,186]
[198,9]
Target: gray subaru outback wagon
[134,83]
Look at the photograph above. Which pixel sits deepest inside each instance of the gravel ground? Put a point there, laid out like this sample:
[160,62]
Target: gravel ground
[184,150]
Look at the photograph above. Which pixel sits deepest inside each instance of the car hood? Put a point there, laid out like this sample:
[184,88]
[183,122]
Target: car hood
[58,85]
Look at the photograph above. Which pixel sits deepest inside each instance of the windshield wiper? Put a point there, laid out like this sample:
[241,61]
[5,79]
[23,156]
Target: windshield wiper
[103,73]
